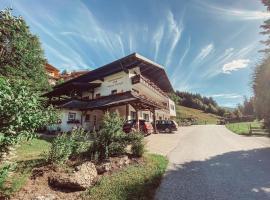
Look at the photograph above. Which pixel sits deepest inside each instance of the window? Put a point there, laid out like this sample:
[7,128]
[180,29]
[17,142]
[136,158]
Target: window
[133,114]
[97,95]
[114,92]
[172,107]
[87,118]
[146,117]
[71,116]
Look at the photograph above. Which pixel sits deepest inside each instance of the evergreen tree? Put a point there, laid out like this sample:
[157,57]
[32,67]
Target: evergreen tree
[21,55]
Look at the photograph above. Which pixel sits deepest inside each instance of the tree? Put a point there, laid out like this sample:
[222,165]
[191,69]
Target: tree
[175,98]
[261,80]
[261,85]
[21,55]
[22,112]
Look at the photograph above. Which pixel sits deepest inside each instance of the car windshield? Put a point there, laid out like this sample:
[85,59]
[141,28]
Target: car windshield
[130,122]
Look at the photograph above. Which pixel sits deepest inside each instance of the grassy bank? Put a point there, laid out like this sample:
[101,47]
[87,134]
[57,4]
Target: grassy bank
[134,182]
[242,127]
[200,116]
[29,155]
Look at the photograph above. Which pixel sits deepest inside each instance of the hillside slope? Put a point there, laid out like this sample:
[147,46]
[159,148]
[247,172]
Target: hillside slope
[185,113]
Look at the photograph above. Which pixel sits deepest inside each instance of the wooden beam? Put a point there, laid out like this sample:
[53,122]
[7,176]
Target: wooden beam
[127,111]
[154,120]
[137,121]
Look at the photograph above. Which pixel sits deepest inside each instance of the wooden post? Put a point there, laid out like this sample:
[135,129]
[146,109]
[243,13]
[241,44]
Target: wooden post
[154,121]
[137,121]
[127,111]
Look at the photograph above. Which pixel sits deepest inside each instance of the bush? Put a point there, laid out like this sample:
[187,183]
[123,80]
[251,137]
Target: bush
[137,144]
[4,172]
[109,139]
[64,146]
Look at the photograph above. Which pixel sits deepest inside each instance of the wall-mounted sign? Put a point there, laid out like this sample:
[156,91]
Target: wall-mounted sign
[115,82]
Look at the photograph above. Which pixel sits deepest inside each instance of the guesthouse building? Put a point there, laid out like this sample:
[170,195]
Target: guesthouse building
[134,86]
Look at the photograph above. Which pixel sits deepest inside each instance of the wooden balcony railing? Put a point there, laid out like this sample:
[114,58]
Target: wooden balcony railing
[141,79]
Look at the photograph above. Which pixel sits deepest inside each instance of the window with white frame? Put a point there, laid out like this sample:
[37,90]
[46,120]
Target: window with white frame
[146,117]
[71,116]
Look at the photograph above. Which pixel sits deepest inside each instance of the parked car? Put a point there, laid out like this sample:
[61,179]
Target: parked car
[145,127]
[167,126]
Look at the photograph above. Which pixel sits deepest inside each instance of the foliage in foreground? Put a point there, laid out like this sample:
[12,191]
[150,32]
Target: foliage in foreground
[112,141]
[21,55]
[22,112]
[134,182]
[66,145]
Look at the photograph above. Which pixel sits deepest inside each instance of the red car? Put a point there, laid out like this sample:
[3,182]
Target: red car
[145,127]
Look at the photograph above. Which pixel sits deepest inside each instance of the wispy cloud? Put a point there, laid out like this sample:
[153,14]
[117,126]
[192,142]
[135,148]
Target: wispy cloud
[226,96]
[157,38]
[205,51]
[215,67]
[175,30]
[235,65]
[182,58]
[236,14]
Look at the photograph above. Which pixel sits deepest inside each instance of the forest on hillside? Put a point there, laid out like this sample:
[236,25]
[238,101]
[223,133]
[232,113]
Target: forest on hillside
[197,101]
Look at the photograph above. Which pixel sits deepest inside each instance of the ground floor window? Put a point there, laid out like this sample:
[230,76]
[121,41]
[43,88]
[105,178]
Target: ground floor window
[146,117]
[133,115]
[71,116]
[87,118]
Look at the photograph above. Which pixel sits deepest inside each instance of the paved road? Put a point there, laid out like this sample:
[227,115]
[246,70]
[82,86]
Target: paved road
[211,163]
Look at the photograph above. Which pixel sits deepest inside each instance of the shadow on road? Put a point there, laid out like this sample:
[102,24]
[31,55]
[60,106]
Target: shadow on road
[234,175]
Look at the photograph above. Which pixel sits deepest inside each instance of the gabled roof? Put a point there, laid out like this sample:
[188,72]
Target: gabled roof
[50,67]
[149,69]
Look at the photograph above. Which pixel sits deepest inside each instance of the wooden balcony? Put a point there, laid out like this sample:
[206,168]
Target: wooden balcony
[141,79]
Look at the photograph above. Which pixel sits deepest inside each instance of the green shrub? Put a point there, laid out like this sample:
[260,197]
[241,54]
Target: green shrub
[117,148]
[5,169]
[137,144]
[110,138]
[64,146]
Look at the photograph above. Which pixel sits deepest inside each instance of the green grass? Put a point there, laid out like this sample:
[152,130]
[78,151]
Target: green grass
[242,127]
[200,116]
[33,149]
[133,182]
[29,155]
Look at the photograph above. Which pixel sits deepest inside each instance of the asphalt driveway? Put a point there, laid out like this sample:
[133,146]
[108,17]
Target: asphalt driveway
[210,162]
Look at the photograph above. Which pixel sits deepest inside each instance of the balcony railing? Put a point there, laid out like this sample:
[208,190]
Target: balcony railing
[141,79]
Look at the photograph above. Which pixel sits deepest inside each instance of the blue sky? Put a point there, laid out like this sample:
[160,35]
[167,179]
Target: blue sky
[209,47]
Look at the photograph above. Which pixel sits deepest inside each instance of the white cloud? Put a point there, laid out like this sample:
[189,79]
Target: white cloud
[236,14]
[235,65]
[157,38]
[175,31]
[226,96]
[205,51]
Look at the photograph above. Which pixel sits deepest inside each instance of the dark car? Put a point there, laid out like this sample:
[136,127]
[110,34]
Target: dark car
[145,127]
[167,126]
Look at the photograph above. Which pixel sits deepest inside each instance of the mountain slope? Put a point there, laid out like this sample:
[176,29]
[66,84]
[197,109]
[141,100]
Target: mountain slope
[185,113]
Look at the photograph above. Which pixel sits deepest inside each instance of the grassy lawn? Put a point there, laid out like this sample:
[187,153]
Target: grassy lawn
[29,155]
[242,127]
[134,182]
[32,150]
[199,115]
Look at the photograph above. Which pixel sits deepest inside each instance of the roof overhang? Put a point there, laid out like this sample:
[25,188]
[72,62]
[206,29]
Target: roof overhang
[149,69]
[66,89]
[135,100]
